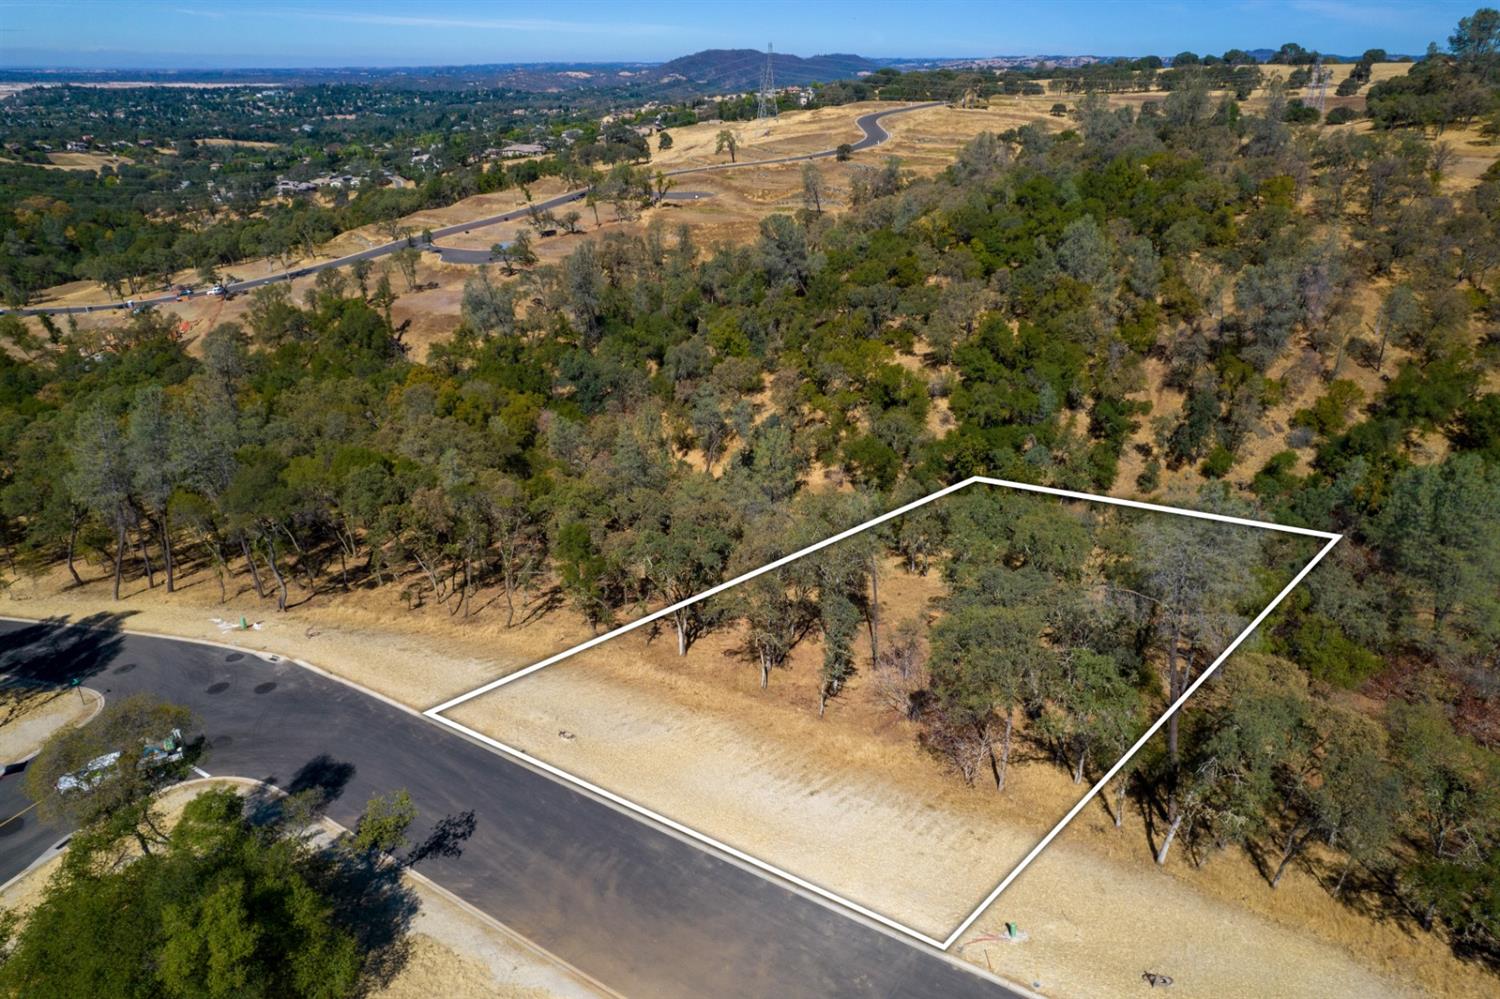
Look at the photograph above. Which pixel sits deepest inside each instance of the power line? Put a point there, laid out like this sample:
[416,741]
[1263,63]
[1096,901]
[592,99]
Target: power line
[766,107]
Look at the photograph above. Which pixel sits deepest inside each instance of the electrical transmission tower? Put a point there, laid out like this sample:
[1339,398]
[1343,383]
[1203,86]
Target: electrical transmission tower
[766,107]
[1320,84]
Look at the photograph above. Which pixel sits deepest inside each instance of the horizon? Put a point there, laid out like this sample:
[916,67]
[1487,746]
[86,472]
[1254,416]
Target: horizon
[46,35]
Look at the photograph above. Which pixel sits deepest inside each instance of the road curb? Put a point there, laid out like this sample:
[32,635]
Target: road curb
[98,707]
[47,855]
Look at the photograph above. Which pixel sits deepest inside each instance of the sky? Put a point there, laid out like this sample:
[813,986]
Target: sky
[202,34]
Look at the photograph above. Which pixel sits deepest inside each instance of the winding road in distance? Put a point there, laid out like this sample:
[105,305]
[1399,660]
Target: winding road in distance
[869,124]
[642,911]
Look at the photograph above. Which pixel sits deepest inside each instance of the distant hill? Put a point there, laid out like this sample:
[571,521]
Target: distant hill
[740,69]
[711,71]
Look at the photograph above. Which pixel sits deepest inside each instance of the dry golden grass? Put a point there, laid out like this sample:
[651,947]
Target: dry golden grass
[78,161]
[246,143]
[29,715]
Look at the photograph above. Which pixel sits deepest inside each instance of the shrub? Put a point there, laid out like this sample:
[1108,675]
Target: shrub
[1150,477]
[1276,477]
[1218,463]
[1330,414]
[1299,113]
[1321,647]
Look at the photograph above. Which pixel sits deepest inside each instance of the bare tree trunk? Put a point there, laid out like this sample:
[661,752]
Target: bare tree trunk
[873,617]
[372,565]
[1083,755]
[72,548]
[1295,841]
[1174,682]
[220,569]
[119,556]
[312,584]
[1121,785]
[468,585]
[140,538]
[276,571]
[1338,888]
[432,577]
[1002,766]
[166,551]
[1166,844]
[681,620]
[260,590]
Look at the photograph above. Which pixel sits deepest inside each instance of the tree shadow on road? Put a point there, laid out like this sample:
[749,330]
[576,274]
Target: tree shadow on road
[53,653]
[58,650]
[445,840]
[321,780]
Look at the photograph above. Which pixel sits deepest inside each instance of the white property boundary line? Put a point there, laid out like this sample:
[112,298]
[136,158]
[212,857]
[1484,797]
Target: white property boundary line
[436,713]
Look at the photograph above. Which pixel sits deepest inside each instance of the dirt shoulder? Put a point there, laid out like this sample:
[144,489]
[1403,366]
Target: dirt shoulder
[30,714]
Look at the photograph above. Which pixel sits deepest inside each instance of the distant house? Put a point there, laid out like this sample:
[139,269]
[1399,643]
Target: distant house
[518,149]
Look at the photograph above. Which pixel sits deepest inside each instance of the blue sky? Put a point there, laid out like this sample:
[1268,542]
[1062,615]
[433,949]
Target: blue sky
[289,33]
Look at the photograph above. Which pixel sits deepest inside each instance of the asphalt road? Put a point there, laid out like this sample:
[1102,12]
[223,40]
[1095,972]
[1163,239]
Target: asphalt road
[869,124]
[638,909]
[24,837]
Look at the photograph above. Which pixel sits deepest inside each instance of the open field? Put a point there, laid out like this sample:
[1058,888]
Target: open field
[247,143]
[92,162]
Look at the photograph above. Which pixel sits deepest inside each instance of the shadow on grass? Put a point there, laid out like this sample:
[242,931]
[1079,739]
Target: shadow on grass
[51,654]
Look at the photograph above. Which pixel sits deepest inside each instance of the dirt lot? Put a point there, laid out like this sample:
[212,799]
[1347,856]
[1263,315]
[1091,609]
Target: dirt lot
[453,953]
